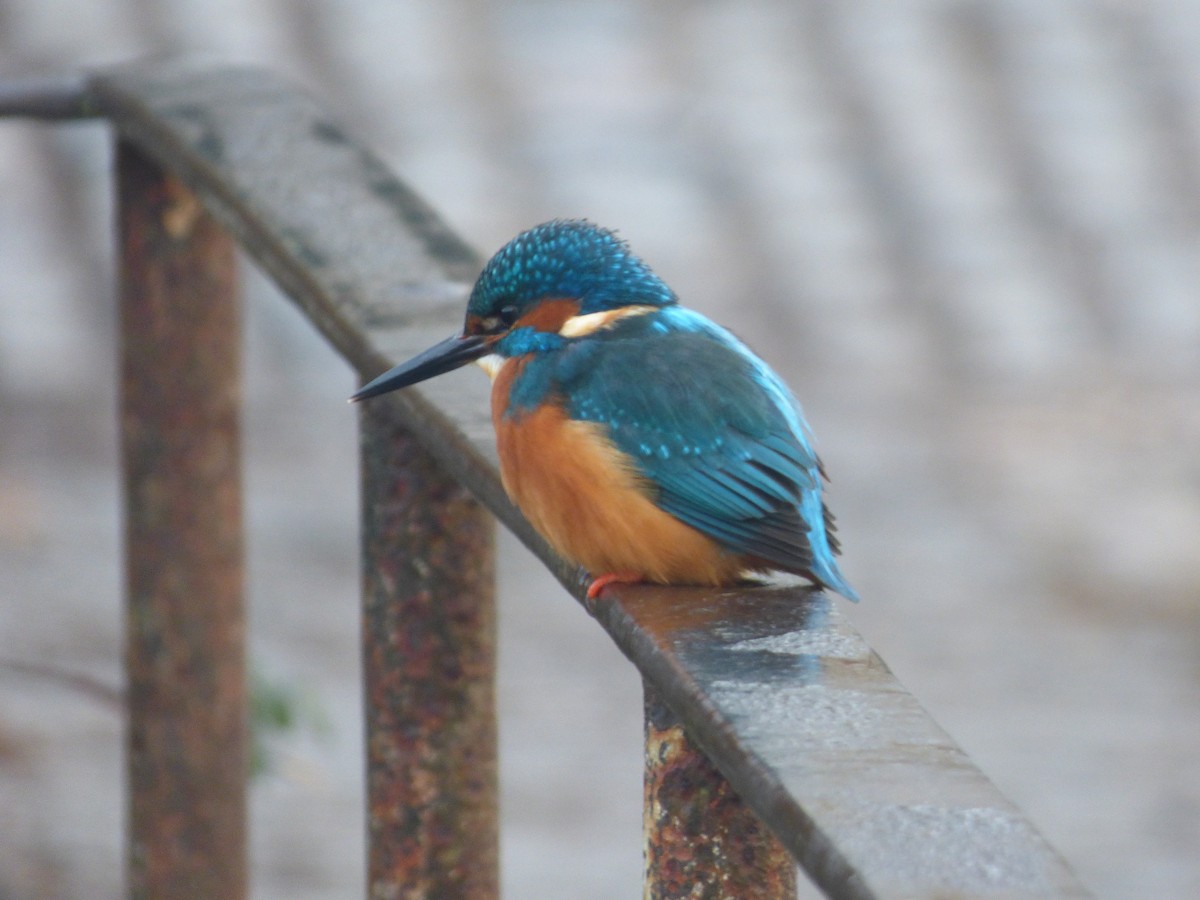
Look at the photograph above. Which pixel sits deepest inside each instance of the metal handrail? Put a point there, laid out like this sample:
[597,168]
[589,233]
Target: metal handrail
[806,723]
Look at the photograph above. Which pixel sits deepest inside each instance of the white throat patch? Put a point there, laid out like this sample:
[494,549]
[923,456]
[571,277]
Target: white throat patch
[491,364]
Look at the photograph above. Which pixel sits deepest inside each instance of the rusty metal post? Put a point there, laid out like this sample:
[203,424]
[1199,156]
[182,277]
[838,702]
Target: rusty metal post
[701,840]
[429,673]
[185,661]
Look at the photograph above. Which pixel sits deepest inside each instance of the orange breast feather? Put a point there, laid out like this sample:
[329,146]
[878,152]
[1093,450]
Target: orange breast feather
[586,499]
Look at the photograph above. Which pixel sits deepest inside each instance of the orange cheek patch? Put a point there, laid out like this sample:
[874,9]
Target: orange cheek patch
[549,315]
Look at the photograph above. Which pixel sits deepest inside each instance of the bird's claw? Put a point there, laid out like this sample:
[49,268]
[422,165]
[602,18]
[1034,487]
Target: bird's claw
[602,581]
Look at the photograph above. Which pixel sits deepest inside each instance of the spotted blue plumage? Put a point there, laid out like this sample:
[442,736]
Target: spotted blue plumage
[713,430]
[566,258]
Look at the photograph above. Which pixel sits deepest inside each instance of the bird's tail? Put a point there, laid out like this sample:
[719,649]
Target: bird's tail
[825,570]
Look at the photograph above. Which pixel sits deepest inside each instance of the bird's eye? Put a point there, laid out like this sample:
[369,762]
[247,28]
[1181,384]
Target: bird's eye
[501,321]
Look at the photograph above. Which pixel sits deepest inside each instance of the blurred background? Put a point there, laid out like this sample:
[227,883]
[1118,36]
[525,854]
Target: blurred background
[965,232]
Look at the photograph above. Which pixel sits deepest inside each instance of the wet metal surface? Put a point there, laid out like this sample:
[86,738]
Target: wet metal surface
[815,733]
[429,663]
[185,661]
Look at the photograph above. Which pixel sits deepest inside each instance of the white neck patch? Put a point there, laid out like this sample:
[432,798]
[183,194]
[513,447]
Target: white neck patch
[581,326]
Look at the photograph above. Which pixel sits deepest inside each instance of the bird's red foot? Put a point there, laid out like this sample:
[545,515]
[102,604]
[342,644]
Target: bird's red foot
[608,578]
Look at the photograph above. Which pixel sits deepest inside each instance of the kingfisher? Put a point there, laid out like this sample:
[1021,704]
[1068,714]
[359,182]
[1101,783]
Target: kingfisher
[645,442]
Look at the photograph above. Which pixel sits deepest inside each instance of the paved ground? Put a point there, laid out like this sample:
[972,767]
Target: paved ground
[965,231]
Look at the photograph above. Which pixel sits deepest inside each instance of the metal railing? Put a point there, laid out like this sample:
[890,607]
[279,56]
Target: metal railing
[774,734]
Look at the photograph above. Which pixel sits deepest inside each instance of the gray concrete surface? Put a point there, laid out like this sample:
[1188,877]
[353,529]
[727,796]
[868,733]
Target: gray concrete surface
[966,232]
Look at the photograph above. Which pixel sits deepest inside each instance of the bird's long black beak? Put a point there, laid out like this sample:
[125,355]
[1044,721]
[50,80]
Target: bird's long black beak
[440,358]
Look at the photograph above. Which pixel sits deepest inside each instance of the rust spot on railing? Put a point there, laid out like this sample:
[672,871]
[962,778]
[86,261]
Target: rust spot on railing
[701,840]
[180,393]
[428,668]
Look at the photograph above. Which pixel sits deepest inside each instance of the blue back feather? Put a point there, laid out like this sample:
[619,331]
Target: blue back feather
[708,424]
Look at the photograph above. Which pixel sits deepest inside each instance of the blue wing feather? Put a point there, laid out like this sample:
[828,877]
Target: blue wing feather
[715,432]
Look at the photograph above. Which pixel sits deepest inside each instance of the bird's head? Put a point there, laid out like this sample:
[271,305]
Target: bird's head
[558,281]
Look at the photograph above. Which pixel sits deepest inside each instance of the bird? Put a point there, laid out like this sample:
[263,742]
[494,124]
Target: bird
[642,440]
